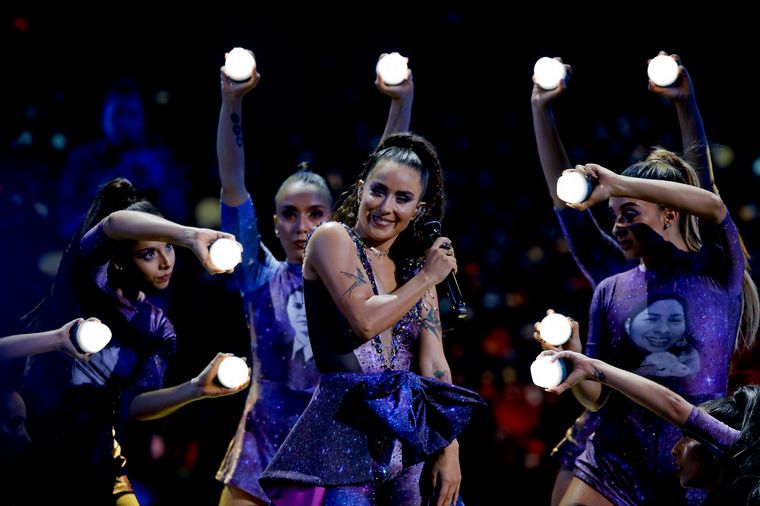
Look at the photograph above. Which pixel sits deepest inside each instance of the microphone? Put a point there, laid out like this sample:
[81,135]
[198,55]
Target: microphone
[432,230]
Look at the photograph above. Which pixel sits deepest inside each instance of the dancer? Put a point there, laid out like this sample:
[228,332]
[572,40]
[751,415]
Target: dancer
[373,317]
[77,408]
[285,374]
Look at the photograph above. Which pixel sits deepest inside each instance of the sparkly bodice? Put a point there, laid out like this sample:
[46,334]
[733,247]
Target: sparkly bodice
[338,349]
[373,356]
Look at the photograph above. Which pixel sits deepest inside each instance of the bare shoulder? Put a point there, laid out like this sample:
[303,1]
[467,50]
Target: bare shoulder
[328,233]
[326,244]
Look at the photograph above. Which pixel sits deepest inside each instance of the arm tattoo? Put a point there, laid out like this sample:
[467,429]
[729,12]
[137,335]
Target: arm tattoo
[442,375]
[236,129]
[358,278]
[599,376]
[432,323]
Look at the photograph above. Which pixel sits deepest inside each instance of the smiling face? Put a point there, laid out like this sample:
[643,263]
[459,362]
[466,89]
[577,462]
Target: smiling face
[389,201]
[696,466]
[658,327]
[152,263]
[300,207]
[628,212]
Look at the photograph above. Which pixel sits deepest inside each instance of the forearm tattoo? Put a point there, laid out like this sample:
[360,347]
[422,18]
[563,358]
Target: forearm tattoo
[358,278]
[237,129]
[442,375]
[432,323]
[599,376]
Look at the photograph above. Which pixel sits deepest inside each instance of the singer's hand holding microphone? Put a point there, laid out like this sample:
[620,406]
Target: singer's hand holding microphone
[441,255]
[440,260]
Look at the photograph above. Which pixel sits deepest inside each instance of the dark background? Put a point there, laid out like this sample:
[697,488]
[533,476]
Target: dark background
[316,102]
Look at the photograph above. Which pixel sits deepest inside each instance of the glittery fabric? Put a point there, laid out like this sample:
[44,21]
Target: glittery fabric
[710,431]
[371,423]
[73,406]
[574,441]
[284,372]
[355,421]
[628,458]
[372,355]
[598,256]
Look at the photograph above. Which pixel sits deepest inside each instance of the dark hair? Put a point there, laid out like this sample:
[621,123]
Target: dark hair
[306,176]
[741,410]
[58,307]
[115,195]
[413,151]
[664,165]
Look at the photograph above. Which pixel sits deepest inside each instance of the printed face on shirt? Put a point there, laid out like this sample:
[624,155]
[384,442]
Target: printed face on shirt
[14,439]
[153,263]
[658,327]
[696,466]
[631,217]
[297,312]
[389,201]
[300,208]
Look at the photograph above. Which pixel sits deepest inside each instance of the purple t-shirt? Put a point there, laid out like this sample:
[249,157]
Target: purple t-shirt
[284,372]
[74,406]
[676,325]
[598,256]
[710,431]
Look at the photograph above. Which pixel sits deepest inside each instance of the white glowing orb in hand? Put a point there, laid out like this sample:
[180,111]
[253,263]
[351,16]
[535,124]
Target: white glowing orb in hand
[556,329]
[392,69]
[549,72]
[574,187]
[232,372]
[662,70]
[547,374]
[239,64]
[225,254]
[92,336]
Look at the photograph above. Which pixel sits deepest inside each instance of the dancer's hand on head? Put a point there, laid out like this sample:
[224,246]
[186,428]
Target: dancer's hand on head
[543,98]
[201,241]
[681,90]
[404,89]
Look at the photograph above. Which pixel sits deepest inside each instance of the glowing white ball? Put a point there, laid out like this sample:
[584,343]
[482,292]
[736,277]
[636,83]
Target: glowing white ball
[574,187]
[663,70]
[92,336]
[556,329]
[232,372]
[239,64]
[392,69]
[546,373]
[225,254]
[549,72]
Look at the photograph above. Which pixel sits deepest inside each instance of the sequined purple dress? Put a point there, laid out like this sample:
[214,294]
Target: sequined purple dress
[598,257]
[628,458]
[365,436]
[73,406]
[284,372]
